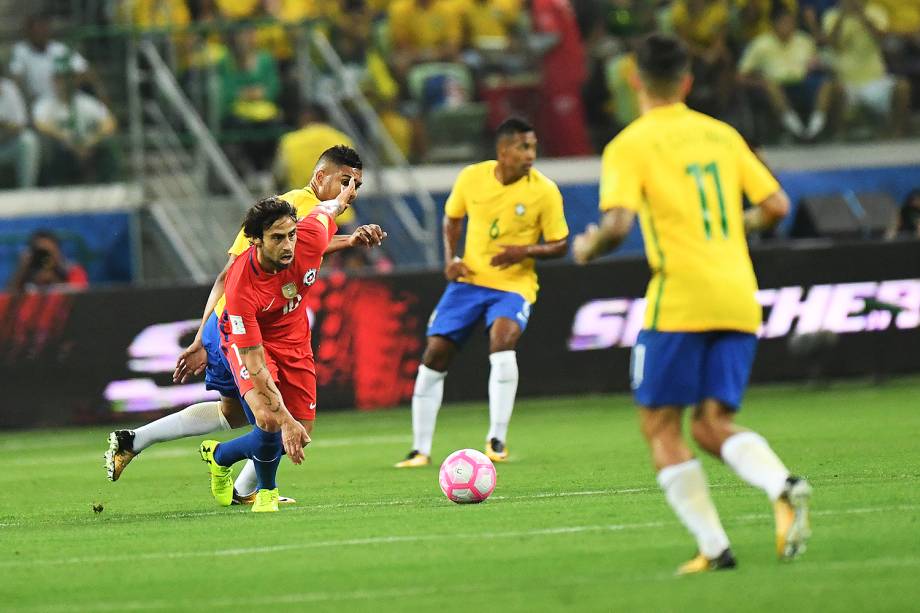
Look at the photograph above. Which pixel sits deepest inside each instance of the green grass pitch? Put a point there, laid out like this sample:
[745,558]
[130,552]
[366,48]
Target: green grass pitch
[576,521]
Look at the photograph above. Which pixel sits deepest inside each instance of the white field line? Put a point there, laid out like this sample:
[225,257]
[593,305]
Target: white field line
[192,450]
[407,538]
[241,601]
[302,508]
[363,504]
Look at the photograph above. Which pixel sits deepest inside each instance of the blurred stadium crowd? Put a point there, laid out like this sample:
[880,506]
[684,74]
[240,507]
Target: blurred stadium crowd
[441,75]
[781,71]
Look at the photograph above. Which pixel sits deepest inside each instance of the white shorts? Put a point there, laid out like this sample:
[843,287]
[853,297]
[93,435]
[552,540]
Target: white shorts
[874,95]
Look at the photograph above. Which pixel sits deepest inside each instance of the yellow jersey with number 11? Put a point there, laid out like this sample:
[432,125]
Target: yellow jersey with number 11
[500,215]
[684,173]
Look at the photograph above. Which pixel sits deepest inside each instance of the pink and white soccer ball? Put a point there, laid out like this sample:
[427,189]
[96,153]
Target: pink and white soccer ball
[467,476]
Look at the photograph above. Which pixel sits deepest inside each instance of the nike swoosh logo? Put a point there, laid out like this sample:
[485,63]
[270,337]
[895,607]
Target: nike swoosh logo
[312,405]
[269,305]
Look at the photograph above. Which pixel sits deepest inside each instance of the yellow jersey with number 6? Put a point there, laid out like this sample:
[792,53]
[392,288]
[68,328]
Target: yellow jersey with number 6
[684,174]
[500,215]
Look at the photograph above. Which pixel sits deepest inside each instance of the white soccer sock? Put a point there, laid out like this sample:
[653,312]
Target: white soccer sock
[792,123]
[197,419]
[247,481]
[503,382]
[426,402]
[816,124]
[749,455]
[685,488]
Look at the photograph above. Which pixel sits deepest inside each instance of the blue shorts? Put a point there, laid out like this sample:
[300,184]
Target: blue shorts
[217,375]
[684,368]
[463,305]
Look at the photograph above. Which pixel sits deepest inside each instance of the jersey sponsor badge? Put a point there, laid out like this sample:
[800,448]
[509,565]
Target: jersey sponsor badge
[289,290]
[236,325]
[520,209]
[310,277]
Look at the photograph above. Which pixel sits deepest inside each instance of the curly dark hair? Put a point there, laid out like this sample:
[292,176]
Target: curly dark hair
[264,213]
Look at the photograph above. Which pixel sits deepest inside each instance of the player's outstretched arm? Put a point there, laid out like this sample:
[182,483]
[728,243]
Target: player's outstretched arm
[597,240]
[512,254]
[370,235]
[193,360]
[767,213]
[268,406]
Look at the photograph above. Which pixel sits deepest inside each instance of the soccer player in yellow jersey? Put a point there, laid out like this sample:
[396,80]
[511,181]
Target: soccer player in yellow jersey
[508,205]
[336,167]
[683,174]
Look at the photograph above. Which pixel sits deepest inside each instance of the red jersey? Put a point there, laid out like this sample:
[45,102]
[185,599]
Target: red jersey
[564,65]
[263,308]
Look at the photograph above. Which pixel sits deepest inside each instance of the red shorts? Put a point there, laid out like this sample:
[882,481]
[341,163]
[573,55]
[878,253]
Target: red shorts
[295,376]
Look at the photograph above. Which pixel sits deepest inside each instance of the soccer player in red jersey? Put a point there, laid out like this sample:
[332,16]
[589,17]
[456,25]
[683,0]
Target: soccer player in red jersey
[266,339]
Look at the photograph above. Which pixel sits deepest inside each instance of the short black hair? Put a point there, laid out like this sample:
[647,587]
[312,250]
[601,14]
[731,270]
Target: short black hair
[264,213]
[663,60]
[342,155]
[512,126]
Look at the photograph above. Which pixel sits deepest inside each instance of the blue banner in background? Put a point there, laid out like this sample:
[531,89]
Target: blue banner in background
[896,181]
[100,242]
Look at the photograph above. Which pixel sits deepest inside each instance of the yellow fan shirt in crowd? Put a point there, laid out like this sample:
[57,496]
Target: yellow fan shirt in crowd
[299,151]
[429,28]
[777,61]
[499,215]
[903,15]
[703,27]
[304,200]
[683,173]
[858,58]
[488,20]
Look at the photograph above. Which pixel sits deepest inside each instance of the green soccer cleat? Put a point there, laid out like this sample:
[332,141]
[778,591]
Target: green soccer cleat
[266,501]
[221,476]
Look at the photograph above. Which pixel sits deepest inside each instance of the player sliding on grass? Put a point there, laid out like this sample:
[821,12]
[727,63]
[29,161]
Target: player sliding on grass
[683,174]
[266,340]
[335,168]
[509,205]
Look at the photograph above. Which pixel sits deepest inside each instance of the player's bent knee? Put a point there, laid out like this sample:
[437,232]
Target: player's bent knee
[232,411]
[438,354]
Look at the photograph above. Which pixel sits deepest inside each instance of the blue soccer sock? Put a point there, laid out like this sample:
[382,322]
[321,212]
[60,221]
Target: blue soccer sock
[266,457]
[230,452]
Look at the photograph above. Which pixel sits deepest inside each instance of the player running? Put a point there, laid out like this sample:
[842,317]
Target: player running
[683,173]
[509,205]
[266,341]
[334,169]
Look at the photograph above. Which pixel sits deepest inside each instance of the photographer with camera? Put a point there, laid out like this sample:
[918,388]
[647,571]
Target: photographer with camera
[43,266]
